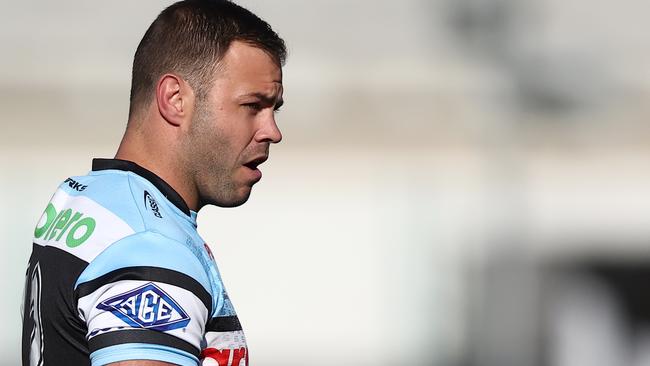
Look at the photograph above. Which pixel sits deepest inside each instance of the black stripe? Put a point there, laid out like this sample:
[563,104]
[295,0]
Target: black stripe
[155,274]
[140,336]
[223,324]
[129,166]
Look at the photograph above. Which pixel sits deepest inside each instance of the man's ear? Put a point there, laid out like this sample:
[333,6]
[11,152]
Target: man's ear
[174,98]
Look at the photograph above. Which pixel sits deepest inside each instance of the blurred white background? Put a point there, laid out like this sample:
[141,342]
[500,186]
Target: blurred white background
[439,158]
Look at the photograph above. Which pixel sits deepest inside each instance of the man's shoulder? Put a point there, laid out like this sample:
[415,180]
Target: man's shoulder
[110,191]
[128,196]
[89,213]
[113,221]
[85,214]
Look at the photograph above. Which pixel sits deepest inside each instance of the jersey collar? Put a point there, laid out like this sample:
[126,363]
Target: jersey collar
[129,166]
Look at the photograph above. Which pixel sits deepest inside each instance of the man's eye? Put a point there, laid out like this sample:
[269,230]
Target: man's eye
[253,106]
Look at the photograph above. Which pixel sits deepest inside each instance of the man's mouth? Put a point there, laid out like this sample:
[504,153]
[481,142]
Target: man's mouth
[253,164]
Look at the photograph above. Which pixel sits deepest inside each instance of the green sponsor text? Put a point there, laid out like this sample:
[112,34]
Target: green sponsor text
[76,228]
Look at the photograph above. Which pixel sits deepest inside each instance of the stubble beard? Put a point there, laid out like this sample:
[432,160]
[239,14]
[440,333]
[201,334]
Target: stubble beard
[209,161]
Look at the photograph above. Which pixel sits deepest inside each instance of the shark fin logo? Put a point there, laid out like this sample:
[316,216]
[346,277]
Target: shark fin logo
[147,307]
[151,202]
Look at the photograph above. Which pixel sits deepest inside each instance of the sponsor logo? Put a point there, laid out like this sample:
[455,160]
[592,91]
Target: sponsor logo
[147,306]
[75,185]
[151,202]
[72,224]
[225,357]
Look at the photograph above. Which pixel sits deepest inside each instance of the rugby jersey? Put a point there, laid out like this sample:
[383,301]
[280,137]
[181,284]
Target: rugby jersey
[118,272]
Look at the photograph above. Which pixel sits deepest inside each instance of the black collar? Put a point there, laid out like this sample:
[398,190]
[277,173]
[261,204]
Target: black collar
[129,166]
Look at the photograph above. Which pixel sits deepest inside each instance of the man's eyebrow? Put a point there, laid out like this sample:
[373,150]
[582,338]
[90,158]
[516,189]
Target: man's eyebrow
[265,99]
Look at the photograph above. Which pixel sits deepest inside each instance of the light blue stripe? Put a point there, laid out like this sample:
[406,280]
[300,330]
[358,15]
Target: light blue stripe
[142,351]
[132,207]
[105,189]
[146,249]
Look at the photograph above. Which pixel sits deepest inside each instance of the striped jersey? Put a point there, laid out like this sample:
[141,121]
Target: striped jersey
[118,272]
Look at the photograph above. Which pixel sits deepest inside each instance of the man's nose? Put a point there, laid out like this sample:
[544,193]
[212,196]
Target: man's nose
[269,131]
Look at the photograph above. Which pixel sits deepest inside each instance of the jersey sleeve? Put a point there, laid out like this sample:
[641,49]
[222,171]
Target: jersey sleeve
[145,297]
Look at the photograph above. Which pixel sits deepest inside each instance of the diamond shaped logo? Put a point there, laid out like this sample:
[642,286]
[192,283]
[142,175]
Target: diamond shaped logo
[148,307]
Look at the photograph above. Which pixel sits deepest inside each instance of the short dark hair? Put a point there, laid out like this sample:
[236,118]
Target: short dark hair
[189,38]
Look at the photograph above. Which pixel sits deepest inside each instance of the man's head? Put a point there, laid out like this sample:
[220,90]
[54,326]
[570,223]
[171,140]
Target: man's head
[189,38]
[207,79]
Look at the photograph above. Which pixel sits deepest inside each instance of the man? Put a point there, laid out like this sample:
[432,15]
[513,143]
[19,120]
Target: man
[118,274]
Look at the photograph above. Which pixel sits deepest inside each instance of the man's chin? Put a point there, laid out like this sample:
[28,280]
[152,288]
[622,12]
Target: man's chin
[235,200]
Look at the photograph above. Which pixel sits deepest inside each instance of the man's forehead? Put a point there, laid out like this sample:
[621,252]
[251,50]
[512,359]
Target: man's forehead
[246,61]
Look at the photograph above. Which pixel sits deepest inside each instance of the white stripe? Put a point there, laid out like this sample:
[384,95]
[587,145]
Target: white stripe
[101,319]
[226,340]
[109,228]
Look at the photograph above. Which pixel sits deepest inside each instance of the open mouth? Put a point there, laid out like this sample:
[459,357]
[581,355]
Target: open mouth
[253,164]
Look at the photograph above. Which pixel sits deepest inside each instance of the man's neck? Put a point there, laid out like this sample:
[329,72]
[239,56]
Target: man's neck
[136,149]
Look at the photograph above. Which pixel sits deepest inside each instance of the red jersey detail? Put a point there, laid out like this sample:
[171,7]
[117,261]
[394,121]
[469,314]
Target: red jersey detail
[207,249]
[223,356]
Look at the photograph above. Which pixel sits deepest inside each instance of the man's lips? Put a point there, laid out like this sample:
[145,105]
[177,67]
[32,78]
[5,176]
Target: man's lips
[252,164]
